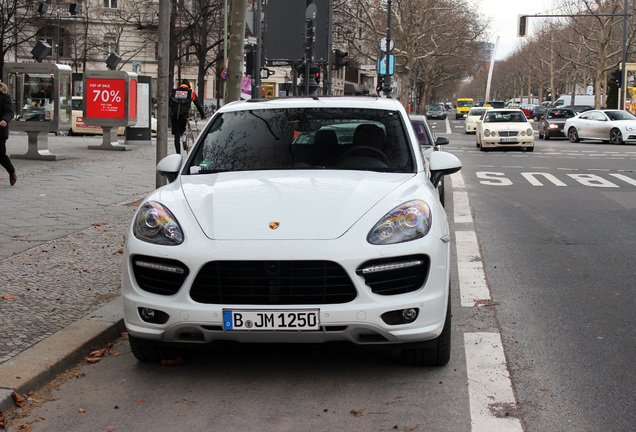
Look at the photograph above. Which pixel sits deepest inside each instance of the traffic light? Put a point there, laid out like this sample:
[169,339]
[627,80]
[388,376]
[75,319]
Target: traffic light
[317,77]
[617,77]
[521,30]
[339,60]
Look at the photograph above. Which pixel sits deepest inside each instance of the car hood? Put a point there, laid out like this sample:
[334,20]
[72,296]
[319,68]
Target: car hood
[292,205]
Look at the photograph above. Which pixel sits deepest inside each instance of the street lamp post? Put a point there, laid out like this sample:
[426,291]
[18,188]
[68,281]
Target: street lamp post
[73,9]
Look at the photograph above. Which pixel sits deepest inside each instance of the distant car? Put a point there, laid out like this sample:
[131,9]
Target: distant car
[496,104]
[429,143]
[504,128]
[552,121]
[527,109]
[536,115]
[475,113]
[435,112]
[261,237]
[614,126]
[579,108]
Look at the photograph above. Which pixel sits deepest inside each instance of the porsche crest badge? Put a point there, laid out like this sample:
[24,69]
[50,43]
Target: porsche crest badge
[274,225]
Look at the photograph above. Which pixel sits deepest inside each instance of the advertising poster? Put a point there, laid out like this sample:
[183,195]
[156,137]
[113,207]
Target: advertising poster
[105,98]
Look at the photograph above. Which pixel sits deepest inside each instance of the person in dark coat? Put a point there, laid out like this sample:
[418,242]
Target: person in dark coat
[6,115]
[181,99]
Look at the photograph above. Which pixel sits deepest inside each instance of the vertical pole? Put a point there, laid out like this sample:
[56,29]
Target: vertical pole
[387,77]
[224,48]
[258,54]
[57,37]
[162,84]
[329,74]
[621,103]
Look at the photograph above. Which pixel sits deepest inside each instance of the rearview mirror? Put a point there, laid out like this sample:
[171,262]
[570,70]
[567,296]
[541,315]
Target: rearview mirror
[169,167]
[441,164]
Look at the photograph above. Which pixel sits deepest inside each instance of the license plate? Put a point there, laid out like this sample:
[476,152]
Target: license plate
[508,140]
[271,319]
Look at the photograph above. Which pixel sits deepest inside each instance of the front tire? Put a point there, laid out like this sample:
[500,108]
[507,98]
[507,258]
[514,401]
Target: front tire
[616,137]
[573,135]
[435,352]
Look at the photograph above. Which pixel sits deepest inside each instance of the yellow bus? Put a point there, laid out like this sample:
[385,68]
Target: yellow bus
[462,106]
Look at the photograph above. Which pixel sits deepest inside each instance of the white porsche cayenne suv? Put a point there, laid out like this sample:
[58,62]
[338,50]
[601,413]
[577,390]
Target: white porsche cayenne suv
[294,220]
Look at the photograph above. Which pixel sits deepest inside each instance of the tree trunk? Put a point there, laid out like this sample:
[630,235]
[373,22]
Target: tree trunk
[235,51]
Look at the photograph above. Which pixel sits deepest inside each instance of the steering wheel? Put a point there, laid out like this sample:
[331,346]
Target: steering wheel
[351,153]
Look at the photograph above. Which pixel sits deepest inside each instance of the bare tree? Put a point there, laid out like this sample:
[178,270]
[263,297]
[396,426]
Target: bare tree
[14,19]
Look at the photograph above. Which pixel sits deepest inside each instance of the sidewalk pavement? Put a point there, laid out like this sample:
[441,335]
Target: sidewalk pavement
[62,229]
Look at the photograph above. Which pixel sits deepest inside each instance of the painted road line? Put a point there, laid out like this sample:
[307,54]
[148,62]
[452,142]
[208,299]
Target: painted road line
[472,280]
[490,394]
[461,207]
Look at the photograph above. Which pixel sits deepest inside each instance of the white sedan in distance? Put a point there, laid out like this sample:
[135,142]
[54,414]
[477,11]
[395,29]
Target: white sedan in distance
[475,113]
[295,220]
[504,128]
[610,126]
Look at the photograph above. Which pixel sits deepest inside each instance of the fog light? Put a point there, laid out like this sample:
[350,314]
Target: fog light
[153,316]
[409,315]
[147,314]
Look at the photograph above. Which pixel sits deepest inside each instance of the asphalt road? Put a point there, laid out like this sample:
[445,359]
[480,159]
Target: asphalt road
[556,231]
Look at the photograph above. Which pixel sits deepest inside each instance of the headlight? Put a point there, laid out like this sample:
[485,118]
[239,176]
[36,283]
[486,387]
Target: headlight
[629,128]
[409,221]
[470,120]
[530,132]
[486,132]
[155,224]
[553,126]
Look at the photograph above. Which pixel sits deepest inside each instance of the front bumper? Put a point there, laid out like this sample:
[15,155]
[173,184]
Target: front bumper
[359,320]
[495,142]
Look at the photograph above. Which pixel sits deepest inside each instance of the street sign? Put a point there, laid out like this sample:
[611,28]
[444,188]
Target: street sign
[386,67]
[383,44]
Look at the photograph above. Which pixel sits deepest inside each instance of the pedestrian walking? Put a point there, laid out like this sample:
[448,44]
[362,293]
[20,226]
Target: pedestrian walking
[6,115]
[181,99]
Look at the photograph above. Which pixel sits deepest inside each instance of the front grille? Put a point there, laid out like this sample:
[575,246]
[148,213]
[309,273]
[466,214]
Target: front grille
[408,276]
[508,133]
[272,283]
[159,275]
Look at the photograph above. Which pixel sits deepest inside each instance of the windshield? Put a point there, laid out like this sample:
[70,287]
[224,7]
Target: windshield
[304,138]
[464,103]
[434,108]
[561,113]
[505,117]
[619,115]
[477,111]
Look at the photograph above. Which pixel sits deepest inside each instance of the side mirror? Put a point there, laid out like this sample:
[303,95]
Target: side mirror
[441,141]
[441,164]
[479,121]
[530,121]
[169,167]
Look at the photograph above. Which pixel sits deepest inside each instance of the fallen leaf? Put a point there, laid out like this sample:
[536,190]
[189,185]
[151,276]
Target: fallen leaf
[82,410]
[545,389]
[140,401]
[486,303]
[92,359]
[356,413]
[8,296]
[19,400]
[172,362]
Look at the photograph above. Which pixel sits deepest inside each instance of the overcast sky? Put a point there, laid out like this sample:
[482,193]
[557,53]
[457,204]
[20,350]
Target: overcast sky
[504,14]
